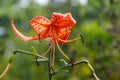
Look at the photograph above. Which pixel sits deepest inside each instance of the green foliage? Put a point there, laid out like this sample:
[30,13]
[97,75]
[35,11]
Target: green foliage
[98,21]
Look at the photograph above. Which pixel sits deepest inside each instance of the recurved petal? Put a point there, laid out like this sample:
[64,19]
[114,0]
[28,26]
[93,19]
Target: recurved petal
[20,35]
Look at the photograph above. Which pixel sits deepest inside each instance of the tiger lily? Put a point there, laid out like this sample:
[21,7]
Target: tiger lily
[57,29]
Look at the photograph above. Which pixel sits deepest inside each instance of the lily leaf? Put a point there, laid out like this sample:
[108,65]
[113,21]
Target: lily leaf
[34,51]
[62,60]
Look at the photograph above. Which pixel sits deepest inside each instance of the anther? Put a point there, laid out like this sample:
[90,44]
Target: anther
[82,38]
[36,61]
[39,37]
[71,62]
[53,71]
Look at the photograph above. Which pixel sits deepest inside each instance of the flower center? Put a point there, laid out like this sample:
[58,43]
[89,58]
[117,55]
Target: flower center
[52,34]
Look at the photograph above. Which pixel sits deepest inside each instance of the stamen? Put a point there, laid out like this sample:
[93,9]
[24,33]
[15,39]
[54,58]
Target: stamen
[69,40]
[53,71]
[47,51]
[36,60]
[53,54]
[82,38]
[5,71]
[95,76]
[39,37]
[71,62]
[62,52]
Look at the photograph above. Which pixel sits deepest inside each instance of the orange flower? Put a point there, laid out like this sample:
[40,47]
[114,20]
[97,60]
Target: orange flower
[57,28]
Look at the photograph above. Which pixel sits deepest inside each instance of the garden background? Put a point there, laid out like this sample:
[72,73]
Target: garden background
[97,20]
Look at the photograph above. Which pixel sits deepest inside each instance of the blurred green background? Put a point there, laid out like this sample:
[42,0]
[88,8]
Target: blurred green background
[97,20]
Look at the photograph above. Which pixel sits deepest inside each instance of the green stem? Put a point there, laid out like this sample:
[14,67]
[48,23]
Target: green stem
[28,53]
[77,63]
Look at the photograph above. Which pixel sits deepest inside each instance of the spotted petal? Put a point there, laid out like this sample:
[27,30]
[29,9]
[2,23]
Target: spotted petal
[62,20]
[62,34]
[69,22]
[41,25]
[62,24]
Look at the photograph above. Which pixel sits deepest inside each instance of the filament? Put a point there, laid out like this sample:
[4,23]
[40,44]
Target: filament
[5,71]
[95,76]
[39,37]
[62,51]
[53,55]
[36,61]
[69,40]
[47,51]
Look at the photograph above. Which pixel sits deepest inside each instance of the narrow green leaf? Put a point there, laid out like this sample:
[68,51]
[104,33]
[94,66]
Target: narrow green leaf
[62,60]
[34,51]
